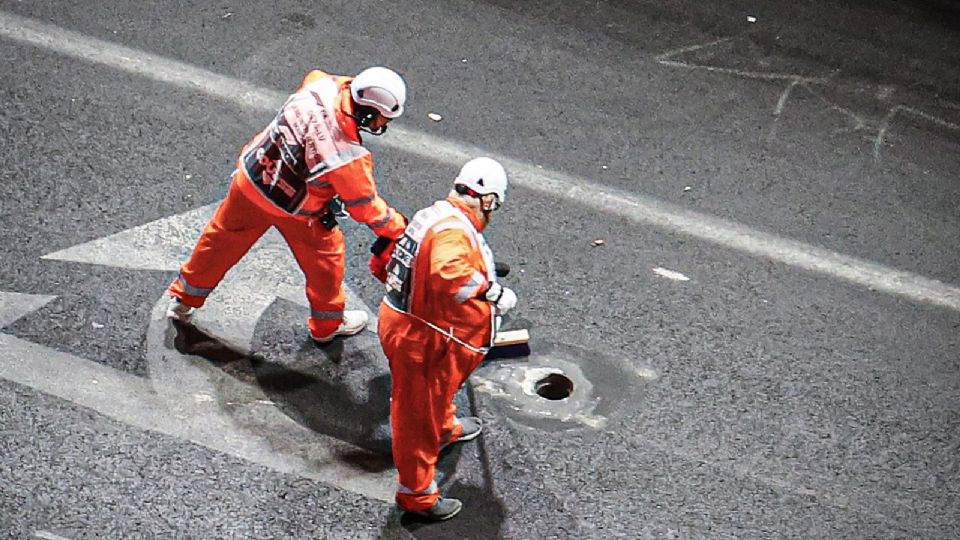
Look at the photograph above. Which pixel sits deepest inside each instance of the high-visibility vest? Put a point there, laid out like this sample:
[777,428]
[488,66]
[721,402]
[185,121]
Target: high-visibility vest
[404,279]
[303,143]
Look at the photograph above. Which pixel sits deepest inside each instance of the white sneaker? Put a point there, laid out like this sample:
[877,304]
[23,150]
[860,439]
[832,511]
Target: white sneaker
[178,311]
[353,323]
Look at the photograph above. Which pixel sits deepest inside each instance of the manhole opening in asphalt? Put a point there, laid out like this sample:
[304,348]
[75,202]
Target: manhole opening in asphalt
[554,387]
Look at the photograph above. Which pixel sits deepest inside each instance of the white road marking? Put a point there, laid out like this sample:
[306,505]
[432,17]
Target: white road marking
[670,274]
[128,396]
[268,271]
[16,305]
[143,404]
[632,206]
[638,208]
[48,536]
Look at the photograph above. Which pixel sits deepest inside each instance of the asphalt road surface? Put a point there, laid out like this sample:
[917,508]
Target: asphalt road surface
[732,227]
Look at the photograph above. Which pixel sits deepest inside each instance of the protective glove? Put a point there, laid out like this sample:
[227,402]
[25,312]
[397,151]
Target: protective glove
[503,297]
[381,250]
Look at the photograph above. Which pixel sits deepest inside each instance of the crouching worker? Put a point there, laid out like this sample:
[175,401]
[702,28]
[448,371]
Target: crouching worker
[437,321]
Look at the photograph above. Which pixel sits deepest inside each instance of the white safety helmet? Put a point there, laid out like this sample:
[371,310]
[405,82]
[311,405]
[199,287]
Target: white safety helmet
[484,176]
[380,88]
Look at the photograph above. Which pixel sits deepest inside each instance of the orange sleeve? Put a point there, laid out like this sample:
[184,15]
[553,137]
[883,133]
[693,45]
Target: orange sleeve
[312,76]
[451,270]
[355,185]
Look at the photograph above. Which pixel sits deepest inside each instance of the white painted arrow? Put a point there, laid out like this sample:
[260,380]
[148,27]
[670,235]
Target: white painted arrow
[15,305]
[210,407]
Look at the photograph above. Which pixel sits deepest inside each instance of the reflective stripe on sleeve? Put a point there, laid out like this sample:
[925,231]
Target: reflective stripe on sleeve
[382,222]
[470,288]
[358,202]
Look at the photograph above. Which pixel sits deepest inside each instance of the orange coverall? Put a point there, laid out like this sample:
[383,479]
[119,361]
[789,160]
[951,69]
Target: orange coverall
[434,328]
[285,177]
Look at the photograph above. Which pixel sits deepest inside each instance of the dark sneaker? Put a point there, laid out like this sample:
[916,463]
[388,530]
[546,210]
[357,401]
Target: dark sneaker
[442,510]
[472,426]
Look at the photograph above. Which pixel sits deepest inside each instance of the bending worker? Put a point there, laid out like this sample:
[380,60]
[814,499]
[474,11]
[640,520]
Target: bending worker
[437,321]
[290,177]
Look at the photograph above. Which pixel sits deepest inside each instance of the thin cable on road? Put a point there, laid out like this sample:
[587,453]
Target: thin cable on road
[637,208]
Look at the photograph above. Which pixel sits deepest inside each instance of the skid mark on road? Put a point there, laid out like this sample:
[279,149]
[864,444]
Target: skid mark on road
[892,113]
[884,93]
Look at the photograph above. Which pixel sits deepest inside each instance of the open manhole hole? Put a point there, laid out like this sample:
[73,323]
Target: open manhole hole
[560,386]
[554,387]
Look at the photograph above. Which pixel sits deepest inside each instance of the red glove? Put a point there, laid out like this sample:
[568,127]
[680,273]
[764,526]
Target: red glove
[381,258]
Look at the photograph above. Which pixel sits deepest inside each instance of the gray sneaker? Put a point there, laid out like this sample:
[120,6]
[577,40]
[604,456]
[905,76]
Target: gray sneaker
[472,426]
[442,510]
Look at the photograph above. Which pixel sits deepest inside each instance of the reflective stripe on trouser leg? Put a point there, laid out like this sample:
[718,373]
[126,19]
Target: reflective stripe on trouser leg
[320,253]
[323,323]
[235,226]
[417,405]
[426,374]
[431,489]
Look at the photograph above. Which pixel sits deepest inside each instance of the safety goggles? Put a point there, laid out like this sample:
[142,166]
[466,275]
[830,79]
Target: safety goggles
[464,190]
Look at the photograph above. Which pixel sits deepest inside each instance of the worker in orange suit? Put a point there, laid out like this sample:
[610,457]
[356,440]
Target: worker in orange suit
[436,322]
[295,175]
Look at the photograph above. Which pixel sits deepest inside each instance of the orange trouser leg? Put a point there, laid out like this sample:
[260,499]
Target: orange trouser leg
[236,225]
[320,253]
[426,372]
[415,418]
[467,362]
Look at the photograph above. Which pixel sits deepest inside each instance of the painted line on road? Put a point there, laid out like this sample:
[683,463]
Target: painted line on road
[637,208]
[48,536]
[670,274]
[192,391]
[138,402]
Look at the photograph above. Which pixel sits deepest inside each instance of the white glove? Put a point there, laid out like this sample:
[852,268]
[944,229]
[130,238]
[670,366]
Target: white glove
[504,298]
